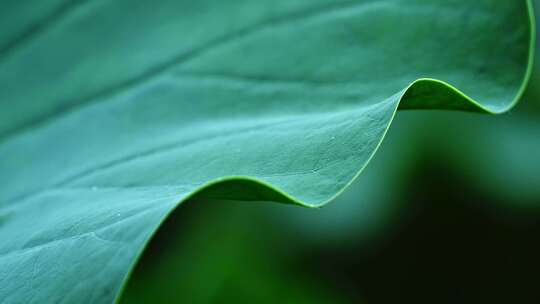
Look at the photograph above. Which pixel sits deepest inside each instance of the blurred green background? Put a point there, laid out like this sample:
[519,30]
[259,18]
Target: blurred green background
[448,211]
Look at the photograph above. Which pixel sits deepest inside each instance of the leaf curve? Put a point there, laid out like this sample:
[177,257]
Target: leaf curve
[271,100]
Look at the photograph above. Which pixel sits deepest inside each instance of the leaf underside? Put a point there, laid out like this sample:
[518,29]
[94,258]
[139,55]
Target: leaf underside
[115,112]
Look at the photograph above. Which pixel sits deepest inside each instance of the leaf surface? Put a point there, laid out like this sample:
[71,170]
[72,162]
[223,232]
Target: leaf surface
[114,112]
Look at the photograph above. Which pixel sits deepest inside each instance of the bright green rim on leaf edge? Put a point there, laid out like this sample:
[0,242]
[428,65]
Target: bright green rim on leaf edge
[286,198]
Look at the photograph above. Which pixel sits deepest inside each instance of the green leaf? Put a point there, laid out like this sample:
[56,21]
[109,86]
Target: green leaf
[115,112]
